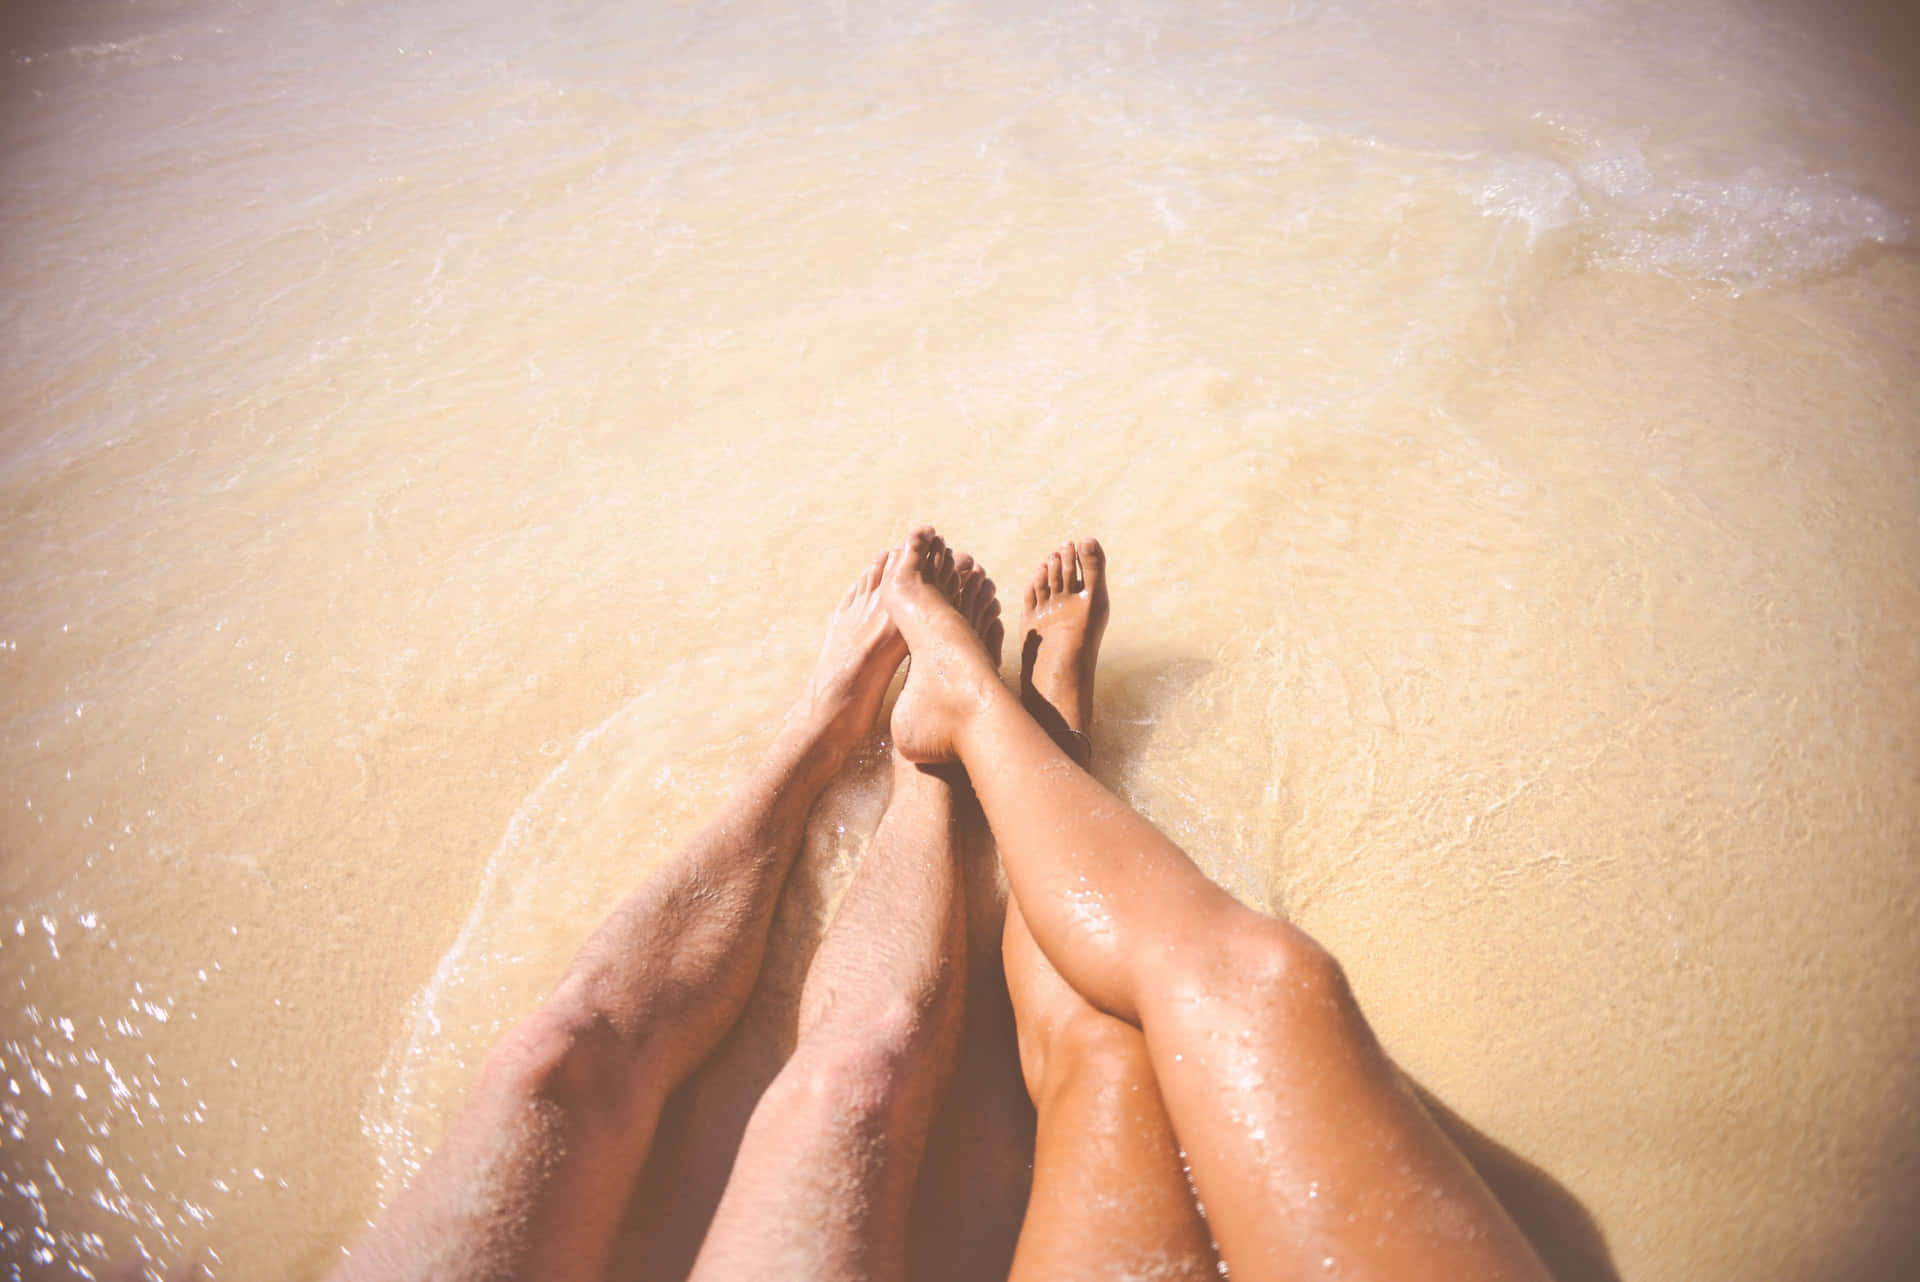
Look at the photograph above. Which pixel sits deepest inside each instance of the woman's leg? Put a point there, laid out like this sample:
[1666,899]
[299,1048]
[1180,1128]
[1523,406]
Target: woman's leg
[825,1176]
[534,1172]
[1110,1197]
[1308,1149]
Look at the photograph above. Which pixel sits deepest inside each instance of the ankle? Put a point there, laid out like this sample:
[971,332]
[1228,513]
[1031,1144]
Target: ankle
[810,747]
[1065,732]
[928,786]
[1076,745]
[985,717]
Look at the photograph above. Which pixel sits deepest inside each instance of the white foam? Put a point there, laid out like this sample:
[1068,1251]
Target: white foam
[1531,190]
[1760,227]
[1769,222]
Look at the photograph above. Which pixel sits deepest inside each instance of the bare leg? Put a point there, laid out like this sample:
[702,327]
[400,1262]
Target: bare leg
[825,1176]
[1308,1148]
[1110,1198]
[980,1150]
[533,1174]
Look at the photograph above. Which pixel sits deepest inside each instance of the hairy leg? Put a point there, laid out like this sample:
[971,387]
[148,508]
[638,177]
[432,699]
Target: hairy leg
[533,1174]
[978,1168]
[825,1176]
[1110,1197]
[1309,1150]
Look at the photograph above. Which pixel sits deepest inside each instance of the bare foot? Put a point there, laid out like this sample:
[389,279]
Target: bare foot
[857,662]
[1066,613]
[979,605]
[955,646]
[1060,633]
[975,599]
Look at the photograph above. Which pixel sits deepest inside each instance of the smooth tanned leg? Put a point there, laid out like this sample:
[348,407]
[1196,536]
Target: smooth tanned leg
[1307,1147]
[533,1174]
[1110,1198]
[825,1176]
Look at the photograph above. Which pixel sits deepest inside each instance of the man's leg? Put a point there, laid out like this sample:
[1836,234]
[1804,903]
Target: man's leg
[825,1175]
[1307,1147]
[533,1174]
[1110,1198]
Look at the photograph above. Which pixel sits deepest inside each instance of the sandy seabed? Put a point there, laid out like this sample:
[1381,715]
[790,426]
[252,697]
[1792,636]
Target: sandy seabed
[429,449]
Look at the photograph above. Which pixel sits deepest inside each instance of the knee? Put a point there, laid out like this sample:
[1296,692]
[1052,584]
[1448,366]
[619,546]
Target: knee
[1258,971]
[569,1056]
[852,1074]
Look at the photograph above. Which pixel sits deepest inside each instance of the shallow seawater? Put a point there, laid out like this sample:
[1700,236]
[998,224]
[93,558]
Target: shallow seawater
[432,436]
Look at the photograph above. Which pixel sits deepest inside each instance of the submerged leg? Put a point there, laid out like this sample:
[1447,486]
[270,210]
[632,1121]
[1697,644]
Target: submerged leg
[1110,1197]
[533,1174]
[1309,1150]
[825,1175]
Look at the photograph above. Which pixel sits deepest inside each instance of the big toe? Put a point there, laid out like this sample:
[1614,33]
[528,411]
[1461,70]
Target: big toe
[918,560]
[1091,561]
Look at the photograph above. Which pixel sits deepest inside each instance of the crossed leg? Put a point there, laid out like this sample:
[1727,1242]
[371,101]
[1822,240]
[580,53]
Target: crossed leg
[824,1180]
[1110,1198]
[1308,1148]
[533,1174]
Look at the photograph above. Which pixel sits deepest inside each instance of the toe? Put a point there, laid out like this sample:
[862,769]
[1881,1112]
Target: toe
[869,582]
[1093,560]
[986,607]
[922,550]
[969,590]
[1056,574]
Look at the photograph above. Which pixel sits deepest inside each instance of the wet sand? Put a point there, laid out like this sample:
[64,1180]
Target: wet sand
[421,479]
